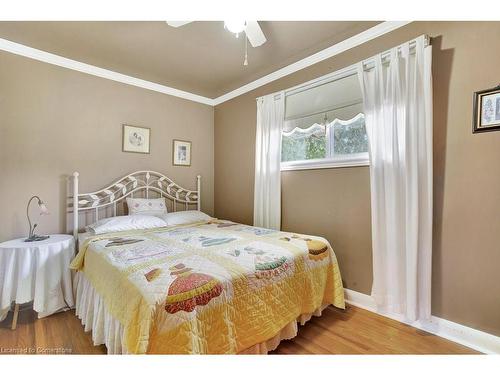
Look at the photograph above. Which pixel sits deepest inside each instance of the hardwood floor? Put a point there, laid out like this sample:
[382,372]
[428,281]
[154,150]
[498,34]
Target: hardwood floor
[359,331]
[55,334]
[354,331]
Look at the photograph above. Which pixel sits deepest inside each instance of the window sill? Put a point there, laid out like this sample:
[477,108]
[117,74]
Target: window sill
[360,160]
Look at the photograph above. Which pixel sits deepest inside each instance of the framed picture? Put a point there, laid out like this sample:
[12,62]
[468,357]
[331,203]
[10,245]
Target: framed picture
[486,110]
[181,153]
[136,139]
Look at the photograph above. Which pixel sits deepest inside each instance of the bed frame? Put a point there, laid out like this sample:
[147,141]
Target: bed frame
[139,183]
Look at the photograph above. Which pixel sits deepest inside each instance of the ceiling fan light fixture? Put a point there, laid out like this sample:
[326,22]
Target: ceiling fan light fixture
[235,27]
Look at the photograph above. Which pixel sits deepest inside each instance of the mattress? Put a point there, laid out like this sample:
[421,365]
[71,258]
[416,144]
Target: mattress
[209,287]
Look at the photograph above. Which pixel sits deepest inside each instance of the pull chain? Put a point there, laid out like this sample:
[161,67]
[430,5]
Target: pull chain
[245,63]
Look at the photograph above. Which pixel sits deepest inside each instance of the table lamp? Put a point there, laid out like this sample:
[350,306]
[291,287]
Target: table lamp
[43,211]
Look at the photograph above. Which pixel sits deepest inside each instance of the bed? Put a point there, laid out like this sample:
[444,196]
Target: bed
[206,286]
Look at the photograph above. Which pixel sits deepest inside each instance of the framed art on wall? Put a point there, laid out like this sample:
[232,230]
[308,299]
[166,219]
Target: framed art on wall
[486,110]
[181,153]
[136,139]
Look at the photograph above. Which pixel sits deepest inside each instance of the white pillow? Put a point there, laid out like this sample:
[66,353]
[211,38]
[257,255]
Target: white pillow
[121,223]
[144,206]
[184,217]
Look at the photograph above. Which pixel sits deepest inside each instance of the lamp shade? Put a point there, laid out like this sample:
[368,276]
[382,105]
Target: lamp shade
[43,208]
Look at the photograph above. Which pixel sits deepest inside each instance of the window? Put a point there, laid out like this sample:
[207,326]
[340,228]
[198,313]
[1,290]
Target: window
[325,127]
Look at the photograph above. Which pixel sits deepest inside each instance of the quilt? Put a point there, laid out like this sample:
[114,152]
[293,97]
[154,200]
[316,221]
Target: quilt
[209,287]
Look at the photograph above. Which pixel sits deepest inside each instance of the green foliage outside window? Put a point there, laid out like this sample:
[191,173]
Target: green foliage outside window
[311,147]
[349,138]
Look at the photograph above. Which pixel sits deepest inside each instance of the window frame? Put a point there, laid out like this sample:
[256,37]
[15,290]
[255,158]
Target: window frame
[353,160]
[361,159]
[350,160]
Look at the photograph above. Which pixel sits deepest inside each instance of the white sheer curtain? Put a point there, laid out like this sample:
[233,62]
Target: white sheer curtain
[398,115]
[267,193]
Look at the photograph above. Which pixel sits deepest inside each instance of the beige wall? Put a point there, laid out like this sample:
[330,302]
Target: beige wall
[336,206]
[54,121]
[335,202]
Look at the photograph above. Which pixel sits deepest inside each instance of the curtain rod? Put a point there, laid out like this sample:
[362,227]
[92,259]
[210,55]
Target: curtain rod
[331,109]
[345,72]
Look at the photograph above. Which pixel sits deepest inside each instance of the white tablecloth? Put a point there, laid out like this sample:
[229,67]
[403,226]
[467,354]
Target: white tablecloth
[38,272]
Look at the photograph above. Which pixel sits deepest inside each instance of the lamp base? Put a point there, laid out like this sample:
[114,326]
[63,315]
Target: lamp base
[36,238]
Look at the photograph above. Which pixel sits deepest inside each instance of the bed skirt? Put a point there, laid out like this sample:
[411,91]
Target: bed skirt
[109,331]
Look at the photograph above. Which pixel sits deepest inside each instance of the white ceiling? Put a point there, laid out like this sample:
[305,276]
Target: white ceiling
[201,58]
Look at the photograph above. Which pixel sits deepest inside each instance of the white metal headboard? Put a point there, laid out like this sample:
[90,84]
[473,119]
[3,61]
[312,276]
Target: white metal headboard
[140,181]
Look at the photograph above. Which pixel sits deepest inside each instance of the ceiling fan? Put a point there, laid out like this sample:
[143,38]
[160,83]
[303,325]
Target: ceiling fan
[252,31]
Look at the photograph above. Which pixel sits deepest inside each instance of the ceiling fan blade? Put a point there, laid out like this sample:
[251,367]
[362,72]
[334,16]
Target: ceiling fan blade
[254,34]
[178,23]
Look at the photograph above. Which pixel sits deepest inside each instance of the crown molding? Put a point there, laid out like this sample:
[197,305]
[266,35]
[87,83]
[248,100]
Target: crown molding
[50,58]
[354,41]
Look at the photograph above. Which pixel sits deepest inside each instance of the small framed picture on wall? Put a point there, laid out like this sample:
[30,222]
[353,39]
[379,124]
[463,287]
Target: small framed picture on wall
[486,110]
[136,139]
[181,153]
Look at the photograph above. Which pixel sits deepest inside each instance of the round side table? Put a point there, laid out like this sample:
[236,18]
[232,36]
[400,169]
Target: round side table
[36,271]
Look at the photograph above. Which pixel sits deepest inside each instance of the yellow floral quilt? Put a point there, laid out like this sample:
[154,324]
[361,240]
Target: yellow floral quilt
[209,287]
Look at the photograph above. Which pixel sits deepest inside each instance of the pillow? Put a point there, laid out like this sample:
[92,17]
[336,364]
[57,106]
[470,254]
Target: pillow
[144,206]
[121,223]
[184,217]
